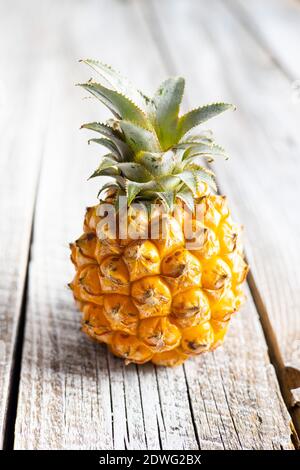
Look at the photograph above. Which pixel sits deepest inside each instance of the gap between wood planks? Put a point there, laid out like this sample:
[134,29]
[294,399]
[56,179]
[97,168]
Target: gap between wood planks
[288,377]
[15,373]
[14,381]
[285,375]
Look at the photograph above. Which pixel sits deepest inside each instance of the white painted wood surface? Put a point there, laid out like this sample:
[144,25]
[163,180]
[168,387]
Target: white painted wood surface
[264,167]
[73,394]
[23,112]
[275,24]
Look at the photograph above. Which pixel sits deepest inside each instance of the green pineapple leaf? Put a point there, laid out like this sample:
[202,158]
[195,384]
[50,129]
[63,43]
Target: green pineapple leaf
[132,190]
[192,178]
[169,183]
[135,172]
[186,195]
[167,198]
[139,138]
[194,163]
[111,171]
[113,135]
[166,103]
[118,104]
[207,176]
[109,144]
[118,82]
[188,178]
[204,150]
[184,144]
[102,128]
[193,136]
[157,164]
[107,167]
[199,115]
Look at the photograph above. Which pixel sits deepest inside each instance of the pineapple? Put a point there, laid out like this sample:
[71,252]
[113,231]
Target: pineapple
[152,293]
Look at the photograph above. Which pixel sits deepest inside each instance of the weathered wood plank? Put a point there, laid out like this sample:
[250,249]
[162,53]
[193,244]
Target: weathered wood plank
[22,132]
[232,410]
[74,395]
[71,381]
[265,156]
[276,25]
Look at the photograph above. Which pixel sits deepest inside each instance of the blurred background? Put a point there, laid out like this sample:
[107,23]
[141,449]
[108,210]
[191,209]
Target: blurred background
[242,52]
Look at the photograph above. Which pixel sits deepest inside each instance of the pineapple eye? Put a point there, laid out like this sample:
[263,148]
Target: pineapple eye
[115,310]
[90,236]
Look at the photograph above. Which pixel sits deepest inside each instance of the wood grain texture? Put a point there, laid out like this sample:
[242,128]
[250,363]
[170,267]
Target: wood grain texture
[275,24]
[73,394]
[23,114]
[265,156]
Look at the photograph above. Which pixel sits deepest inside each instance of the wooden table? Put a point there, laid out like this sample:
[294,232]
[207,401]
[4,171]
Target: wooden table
[58,390]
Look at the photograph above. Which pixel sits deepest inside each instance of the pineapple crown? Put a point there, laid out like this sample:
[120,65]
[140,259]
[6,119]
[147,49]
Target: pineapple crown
[154,153]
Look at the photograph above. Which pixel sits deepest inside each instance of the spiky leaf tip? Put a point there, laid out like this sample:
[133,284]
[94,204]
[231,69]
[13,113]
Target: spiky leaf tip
[114,135]
[154,150]
[118,82]
[166,104]
[199,115]
[117,103]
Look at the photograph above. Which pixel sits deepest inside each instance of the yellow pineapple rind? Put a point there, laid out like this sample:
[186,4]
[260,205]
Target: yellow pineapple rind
[154,300]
